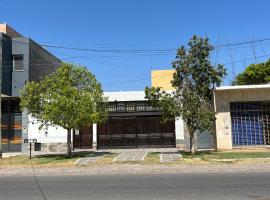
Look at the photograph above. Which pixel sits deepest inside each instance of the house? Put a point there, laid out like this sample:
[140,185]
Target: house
[242,116]
[21,60]
[132,123]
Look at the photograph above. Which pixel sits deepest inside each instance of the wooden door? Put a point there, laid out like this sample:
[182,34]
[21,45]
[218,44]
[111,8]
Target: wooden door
[84,139]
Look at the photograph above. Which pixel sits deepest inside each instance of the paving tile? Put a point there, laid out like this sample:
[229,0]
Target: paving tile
[131,155]
[169,156]
[89,159]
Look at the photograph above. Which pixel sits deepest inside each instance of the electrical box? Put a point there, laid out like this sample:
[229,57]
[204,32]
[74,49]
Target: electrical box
[37,146]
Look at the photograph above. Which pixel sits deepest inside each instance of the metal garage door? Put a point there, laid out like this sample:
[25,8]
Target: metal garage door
[250,123]
[135,132]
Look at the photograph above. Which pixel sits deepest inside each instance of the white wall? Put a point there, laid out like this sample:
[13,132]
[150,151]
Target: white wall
[51,135]
[125,96]
[179,129]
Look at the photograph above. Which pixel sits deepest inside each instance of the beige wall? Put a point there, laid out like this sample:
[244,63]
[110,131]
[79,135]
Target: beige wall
[4,28]
[162,78]
[222,106]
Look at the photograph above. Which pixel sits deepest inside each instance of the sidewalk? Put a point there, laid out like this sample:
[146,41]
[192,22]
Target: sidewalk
[140,169]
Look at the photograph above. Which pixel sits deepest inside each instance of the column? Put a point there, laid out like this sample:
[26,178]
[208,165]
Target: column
[94,144]
[179,132]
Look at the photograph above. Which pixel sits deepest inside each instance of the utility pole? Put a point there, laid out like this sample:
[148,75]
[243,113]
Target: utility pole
[1,68]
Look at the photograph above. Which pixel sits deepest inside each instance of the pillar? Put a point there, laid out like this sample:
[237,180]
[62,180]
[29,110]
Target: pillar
[94,142]
[179,132]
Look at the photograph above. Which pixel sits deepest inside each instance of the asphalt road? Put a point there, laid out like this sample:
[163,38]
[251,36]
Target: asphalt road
[124,187]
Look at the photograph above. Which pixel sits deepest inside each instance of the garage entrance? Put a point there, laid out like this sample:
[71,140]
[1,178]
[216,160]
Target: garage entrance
[135,132]
[250,122]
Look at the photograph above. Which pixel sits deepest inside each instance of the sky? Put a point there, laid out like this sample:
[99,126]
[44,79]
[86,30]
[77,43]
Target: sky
[126,39]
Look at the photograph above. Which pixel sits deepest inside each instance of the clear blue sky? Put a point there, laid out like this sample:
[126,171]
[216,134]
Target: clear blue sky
[141,24]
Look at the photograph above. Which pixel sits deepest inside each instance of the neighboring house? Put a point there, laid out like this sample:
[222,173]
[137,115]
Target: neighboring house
[21,60]
[162,78]
[242,116]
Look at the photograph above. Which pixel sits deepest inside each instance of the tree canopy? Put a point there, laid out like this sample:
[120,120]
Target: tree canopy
[71,98]
[193,80]
[254,74]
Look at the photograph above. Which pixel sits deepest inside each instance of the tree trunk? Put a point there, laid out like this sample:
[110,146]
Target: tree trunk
[69,143]
[192,141]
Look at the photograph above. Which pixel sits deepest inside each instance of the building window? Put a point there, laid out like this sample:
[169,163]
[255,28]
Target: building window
[18,63]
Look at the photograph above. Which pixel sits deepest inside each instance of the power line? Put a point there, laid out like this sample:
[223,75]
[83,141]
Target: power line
[138,50]
[149,78]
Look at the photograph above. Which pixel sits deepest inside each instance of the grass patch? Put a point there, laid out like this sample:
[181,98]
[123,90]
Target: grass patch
[24,161]
[152,157]
[225,155]
[107,159]
[52,160]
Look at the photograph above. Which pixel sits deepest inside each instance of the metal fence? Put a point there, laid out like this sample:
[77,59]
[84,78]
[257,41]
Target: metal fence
[137,106]
[250,123]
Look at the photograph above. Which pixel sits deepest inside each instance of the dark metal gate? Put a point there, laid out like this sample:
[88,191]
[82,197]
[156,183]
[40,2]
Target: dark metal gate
[135,132]
[250,123]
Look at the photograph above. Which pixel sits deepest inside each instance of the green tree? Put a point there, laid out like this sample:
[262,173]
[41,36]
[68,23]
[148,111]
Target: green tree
[194,79]
[71,98]
[254,74]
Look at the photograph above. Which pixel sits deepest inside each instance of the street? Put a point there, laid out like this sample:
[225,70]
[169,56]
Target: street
[122,187]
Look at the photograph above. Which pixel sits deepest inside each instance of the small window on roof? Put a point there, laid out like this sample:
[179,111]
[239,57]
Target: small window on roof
[18,63]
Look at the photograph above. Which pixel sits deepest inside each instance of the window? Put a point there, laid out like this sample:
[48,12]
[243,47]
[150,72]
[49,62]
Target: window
[18,63]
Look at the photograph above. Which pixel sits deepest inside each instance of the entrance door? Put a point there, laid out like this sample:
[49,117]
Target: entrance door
[84,139]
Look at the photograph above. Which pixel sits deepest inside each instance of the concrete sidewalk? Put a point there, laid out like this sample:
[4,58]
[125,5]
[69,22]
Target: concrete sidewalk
[133,155]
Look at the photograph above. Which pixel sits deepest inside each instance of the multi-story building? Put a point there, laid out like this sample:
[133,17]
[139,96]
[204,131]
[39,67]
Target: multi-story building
[21,60]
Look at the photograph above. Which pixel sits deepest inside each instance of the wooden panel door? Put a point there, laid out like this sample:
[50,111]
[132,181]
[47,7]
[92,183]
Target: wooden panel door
[84,139]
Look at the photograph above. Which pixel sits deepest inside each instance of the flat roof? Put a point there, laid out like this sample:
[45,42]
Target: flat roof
[125,96]
[5,28]
[242,87]
[128,95]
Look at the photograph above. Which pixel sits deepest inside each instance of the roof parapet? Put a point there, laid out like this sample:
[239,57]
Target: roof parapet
[8,30]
